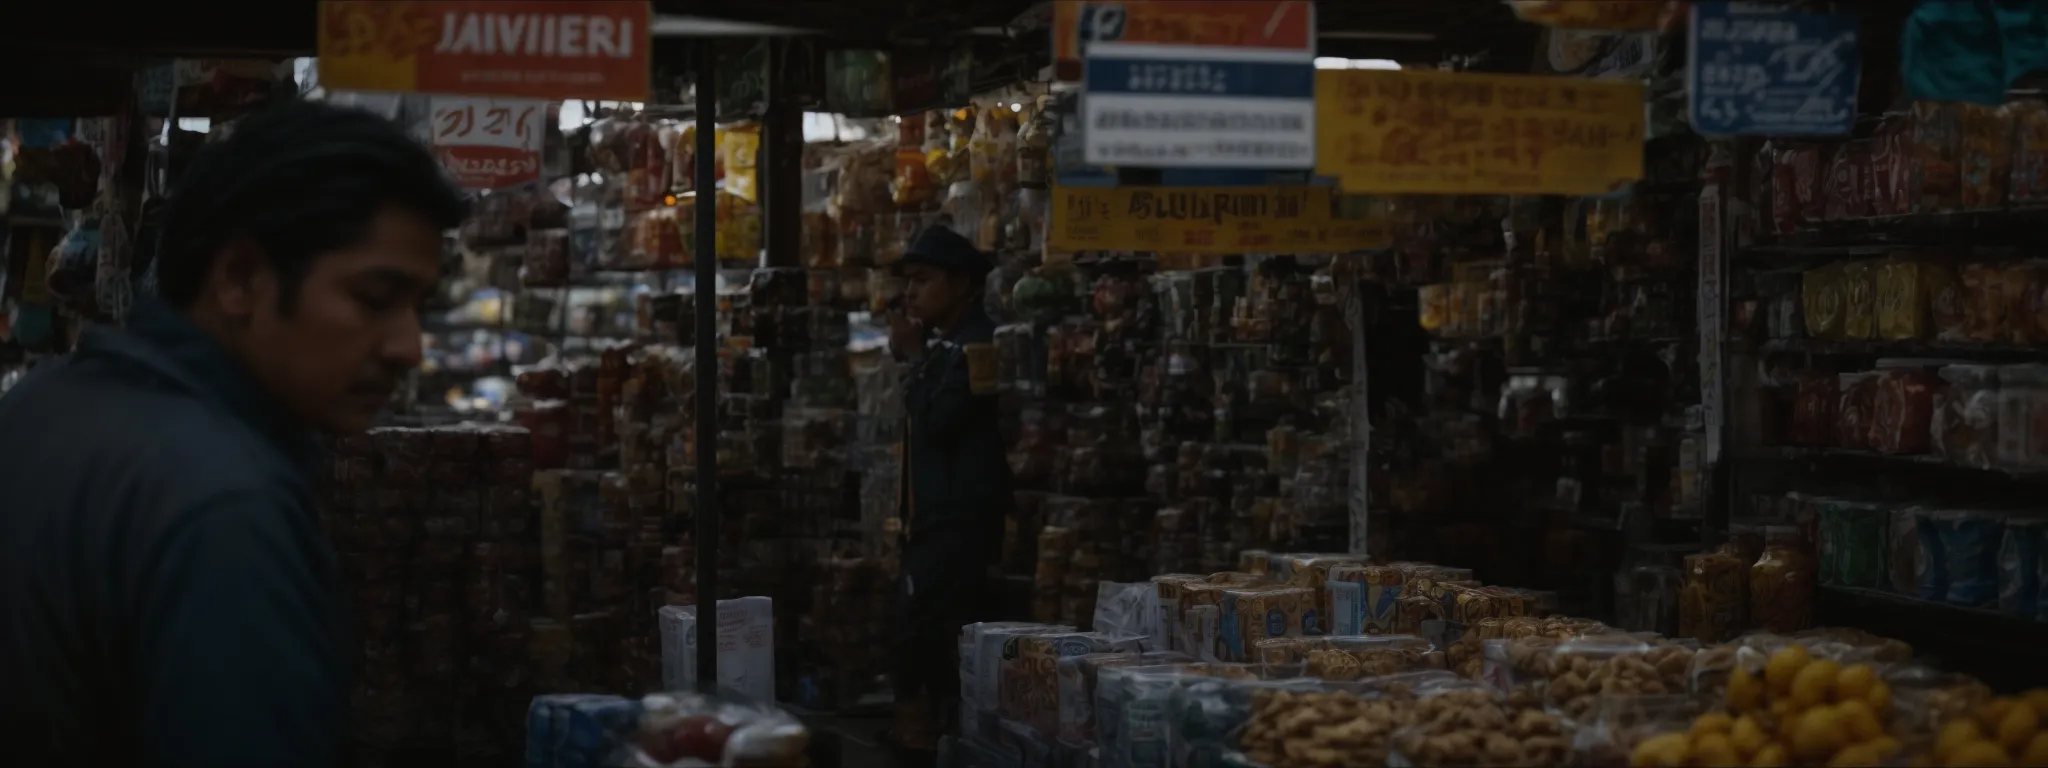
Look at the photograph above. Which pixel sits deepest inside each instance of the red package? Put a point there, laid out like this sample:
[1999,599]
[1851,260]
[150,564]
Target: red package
[1853,414]
[548,421]
[1763,179]
[1883,158]
[2030,152]
[1844,199]
[1934,177]
[1809,176]
[1813,409]
[1904,408]
[1784,193]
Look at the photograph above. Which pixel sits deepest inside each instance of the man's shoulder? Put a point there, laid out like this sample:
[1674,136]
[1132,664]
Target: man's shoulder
[88,418]
[976,328]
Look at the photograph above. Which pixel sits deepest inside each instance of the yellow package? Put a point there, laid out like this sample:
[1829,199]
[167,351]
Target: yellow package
[1248,615]
[1434,305]
[1908,292]
[1820,295]
[1859,300]
[738,146]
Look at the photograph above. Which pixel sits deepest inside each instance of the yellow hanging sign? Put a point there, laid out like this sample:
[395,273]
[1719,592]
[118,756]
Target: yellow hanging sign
[1292,219]
[1427,132]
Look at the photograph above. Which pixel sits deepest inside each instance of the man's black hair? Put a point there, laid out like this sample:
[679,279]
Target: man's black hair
[296,180]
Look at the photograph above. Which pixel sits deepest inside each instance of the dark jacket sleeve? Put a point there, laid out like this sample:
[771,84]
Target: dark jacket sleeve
[237,646]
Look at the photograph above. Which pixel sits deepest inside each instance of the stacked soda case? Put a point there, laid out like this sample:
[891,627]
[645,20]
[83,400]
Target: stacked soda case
[434,531]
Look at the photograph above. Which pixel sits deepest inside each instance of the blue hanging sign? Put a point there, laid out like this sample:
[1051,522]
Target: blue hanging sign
[1754,69]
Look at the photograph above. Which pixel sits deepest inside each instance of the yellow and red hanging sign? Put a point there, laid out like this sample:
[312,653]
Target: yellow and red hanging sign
[1429,132]
[1607,15]
[1235,24]
[1290,219]
[533,49]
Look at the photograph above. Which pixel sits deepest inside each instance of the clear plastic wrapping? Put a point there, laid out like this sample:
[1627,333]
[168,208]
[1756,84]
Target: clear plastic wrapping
[1350,658]
[1078,678]
[1964,429]
[1619,723]
[1584,670]
[2019,566]
[1852,544]
[680,729]
[1133,708]
[1473,727]
[1969,543]
[2023,417]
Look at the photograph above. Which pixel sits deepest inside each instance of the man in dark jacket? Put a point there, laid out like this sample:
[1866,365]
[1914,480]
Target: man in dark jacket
[956,474]
[166,595]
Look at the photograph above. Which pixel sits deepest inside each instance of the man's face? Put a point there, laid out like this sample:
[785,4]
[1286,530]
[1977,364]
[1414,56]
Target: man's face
[336,355]
[932,294]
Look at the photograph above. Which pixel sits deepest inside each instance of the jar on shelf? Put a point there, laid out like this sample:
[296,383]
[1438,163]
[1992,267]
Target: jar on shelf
[1745,542]
[1656,585]
[1781,583]
[1714,600]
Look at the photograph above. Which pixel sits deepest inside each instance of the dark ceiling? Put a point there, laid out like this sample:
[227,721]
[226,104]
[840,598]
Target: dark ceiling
[286,27]
[51,50]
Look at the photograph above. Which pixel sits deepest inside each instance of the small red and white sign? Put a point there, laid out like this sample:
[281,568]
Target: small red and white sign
[489,143]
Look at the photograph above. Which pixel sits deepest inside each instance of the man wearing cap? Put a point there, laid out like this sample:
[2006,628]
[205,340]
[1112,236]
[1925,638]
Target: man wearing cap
[956,476]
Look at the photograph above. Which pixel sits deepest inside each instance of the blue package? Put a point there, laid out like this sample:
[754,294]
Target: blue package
[578,730]
[2019,567]
[1970,541]
[1932,566]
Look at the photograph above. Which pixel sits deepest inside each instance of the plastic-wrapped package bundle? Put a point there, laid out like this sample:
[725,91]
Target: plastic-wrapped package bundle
[1132,708]
[981,662]
[579,730]
[2019,566]
[1247,615]
[1029,679]
[1364,599]
[687,729]
[1206,715]
[1078,676]
[1347,658]
[1969,542]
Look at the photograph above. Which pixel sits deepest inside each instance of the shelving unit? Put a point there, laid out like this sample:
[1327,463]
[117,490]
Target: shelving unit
[1757,467]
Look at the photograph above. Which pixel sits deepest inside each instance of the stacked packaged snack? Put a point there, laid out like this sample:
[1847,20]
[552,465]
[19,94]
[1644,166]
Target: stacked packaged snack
[432,527]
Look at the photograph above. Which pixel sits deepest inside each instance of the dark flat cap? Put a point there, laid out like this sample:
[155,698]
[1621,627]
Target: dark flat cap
[941,247]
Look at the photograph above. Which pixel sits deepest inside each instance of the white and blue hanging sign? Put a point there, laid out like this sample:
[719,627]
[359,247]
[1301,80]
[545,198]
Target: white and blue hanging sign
[1170,106]
[1756,69]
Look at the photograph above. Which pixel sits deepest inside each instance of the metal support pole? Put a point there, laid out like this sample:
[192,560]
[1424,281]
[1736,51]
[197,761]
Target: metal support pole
[704,253]
[782,161]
